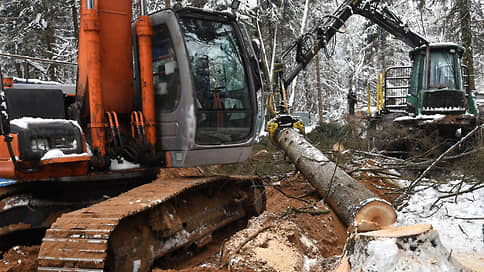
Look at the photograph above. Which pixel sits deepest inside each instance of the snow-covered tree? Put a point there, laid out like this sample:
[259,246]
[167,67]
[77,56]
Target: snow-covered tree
[41,29]
[49,29]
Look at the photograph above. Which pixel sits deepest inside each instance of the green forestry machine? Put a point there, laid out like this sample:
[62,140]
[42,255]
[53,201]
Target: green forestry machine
[432,90]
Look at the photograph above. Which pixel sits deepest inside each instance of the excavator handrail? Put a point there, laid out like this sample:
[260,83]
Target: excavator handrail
[37,59]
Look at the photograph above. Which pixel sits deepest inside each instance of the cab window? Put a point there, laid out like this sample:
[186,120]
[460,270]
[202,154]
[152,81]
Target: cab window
[166,79]
[224,109]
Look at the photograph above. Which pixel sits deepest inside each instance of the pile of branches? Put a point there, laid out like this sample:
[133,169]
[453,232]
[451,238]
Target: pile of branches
[426,170]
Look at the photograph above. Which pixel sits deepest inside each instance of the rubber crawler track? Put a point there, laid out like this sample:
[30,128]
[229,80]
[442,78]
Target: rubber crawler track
[128,232]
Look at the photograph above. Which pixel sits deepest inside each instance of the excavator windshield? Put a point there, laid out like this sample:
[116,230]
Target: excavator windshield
[222,96]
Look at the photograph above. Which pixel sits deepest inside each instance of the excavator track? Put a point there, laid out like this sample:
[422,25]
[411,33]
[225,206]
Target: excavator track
[130,231]
[28,208]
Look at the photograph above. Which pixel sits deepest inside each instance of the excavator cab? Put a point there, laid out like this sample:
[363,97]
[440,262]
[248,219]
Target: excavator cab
[436,84]
[178,90]
[205,91]
[204,94]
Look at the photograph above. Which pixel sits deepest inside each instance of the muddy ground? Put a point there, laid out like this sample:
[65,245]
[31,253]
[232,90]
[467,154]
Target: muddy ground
[298,232]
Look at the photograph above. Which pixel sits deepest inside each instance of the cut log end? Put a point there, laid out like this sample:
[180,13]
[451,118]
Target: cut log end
[375,215]
[399,232]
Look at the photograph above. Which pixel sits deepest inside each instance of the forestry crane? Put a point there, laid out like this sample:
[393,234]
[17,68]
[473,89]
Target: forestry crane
[435,82]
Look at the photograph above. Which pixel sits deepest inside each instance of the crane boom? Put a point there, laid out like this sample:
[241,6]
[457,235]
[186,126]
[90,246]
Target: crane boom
[308,45]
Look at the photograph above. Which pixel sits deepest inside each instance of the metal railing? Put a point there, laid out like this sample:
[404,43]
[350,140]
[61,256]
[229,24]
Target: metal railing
[396,86]
[30,68]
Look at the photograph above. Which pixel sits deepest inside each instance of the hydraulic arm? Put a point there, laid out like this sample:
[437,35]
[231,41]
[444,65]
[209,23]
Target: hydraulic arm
[308,45]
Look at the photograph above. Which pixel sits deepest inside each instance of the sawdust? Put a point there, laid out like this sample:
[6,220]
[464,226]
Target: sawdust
[278,255]
[272,244]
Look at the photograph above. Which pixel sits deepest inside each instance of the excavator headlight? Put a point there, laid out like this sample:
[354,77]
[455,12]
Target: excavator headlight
[65,143]
[39,144]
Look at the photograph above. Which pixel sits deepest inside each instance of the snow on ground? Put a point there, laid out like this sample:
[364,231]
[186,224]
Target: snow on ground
[122,164]
[459,220]
[433,117]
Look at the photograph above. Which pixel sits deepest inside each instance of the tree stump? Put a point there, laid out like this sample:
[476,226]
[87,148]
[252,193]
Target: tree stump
[409,248]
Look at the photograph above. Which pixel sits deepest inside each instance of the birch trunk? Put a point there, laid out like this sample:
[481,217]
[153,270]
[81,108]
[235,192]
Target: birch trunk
[354,204]
[274,44]
[303,27]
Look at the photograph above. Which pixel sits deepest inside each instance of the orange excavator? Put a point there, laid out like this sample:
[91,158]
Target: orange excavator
[174,89]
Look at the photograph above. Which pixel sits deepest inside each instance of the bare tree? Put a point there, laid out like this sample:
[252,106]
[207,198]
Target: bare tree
[463,6]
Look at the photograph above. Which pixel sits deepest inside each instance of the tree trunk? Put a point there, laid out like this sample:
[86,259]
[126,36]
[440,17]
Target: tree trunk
[198,3]
[75,18]
[265,69]
[466,37]
[318,85]
[320,94]
[318,82]
[354,204]
[18,69]
[408,248]
[50,39]
[382,49]
[293,86]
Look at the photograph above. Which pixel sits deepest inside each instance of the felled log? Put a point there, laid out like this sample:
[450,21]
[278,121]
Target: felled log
[408,248]
[354,204]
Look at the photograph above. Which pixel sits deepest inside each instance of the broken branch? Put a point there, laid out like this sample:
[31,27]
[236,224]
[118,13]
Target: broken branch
[308,210]
[398,200]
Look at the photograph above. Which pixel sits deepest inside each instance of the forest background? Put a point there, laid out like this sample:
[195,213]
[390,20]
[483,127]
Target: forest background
[49,29]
